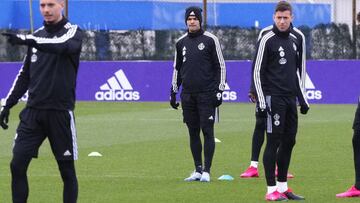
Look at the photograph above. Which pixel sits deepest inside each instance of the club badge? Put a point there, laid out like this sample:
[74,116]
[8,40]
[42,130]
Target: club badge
[282,61]
[201,46]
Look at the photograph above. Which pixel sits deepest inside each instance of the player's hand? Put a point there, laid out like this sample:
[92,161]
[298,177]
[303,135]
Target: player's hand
[15,39]
[217,98]
[304,109]
[252,97]
[173,102]
[4,117]
[262,113]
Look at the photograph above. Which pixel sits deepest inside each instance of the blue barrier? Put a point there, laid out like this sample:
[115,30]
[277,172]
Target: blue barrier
[155,15]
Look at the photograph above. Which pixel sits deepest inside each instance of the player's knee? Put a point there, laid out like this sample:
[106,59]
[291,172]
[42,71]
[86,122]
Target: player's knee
[194,131]
[289,142]
[68,175]
[208,131]
[193,125]
[14,167]
[67,170]
[18,166]
[273,138]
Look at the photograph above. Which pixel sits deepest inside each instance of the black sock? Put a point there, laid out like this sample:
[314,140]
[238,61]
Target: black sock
[68,175]
[19,181]
[209,146]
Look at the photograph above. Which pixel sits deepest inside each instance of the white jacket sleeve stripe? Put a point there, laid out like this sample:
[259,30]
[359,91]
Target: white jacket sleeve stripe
[303,60]
[175,72]
[68,35]
[303,92]
[258,62]
[221,60]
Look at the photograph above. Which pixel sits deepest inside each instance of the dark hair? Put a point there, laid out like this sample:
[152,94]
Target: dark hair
[283,6]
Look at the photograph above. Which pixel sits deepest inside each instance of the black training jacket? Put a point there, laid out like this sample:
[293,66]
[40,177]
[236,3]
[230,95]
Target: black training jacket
[50,68]
[198,65]
[279,65]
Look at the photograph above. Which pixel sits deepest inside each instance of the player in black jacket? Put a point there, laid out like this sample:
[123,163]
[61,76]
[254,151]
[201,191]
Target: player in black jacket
[279,83]
[200,68]
[260,125]
[49,75]
[354,191]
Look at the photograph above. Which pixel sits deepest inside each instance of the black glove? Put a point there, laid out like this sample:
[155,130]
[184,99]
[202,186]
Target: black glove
[173,102]
[4,117]
[16,39]
[262,112]
[252,97]
[304,109]
[217,98]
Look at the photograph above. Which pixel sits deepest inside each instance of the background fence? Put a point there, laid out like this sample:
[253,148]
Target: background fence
[324,41]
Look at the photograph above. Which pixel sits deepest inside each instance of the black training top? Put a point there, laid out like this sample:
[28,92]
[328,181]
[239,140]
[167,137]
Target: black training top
[279,65]
[50,68]
[199,65]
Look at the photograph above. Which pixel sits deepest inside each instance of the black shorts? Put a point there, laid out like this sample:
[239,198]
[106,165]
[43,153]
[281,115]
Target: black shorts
[356,124]
[198,109]
[36,125]
[284,116]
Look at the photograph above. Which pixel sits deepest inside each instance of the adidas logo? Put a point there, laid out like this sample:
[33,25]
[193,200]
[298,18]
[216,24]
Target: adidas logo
[211,118]
[229,95]
[117,88]
[67,153]
[308,83]
[311,92]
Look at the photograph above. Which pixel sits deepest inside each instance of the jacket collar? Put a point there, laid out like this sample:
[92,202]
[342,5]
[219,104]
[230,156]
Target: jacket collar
[52,28]
[279,33]
[195,34]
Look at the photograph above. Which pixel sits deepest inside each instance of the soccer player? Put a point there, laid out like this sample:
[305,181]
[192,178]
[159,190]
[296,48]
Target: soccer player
[354,190]
[49,75]
[200,68]
[260,125]
[279,82]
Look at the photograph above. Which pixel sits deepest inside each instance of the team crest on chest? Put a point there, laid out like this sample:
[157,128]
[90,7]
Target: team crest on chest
[201,46]
[282,61]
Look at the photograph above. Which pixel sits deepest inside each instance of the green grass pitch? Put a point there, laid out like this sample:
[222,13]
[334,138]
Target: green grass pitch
[146,156]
